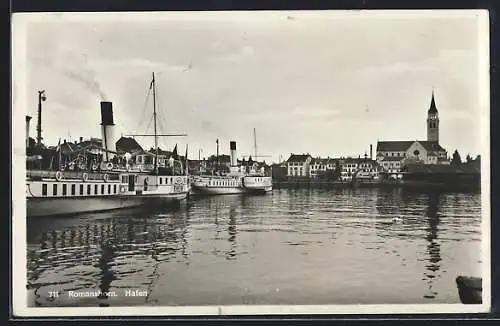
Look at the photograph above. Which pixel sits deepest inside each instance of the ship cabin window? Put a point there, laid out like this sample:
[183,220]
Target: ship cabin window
[109,189]
[161,180]
[114,189]
[95,189]
[64,189]
[81,189]
[54,189]
[171,180]
[44,189]
[102,189]
[88,189]
[73,189]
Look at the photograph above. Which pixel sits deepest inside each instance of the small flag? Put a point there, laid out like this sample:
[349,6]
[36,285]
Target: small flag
[174,153]
[186,157]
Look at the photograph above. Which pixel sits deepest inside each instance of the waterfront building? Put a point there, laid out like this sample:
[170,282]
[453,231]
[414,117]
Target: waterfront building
[299,165]
[393,155]
[359,168]
[320,166]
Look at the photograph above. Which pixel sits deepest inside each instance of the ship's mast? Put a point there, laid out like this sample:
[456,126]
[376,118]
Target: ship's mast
[255,144]
[154,118]
[217,166]
[155,135]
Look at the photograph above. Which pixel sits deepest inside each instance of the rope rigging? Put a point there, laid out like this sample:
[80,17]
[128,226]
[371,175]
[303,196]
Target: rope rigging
[148,93]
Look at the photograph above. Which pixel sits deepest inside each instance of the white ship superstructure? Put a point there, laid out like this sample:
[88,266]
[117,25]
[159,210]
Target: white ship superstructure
[239,180]
[97,178]
[50,193]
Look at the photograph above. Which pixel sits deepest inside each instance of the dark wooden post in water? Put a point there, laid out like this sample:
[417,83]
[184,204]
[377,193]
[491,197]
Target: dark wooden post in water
[470,289]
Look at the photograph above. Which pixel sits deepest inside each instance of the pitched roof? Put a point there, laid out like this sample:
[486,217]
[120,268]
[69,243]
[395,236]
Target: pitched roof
[223,158]
[68,147]
[322,161]
[432,108]
[393,158]
[298,157]
[403,145]
[89,142]
[128,144]
[358,160]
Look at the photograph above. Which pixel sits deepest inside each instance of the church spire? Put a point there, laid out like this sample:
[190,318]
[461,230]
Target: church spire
[432,121]
[432,108]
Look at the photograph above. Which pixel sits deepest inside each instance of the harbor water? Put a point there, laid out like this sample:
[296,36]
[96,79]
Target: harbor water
[291,246]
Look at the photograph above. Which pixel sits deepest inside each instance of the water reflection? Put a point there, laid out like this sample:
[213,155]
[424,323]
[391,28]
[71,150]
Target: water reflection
[72,257]
[106,273]
[433,246]
[218,243]
[232,231]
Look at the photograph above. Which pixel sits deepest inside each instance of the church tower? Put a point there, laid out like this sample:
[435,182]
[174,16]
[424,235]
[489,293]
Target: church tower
[433,122]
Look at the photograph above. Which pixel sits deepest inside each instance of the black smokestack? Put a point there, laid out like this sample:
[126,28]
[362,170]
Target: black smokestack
[106,113]
[232,146]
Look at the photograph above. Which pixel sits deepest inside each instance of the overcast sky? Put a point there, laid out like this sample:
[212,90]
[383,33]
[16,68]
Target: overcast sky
[322,83]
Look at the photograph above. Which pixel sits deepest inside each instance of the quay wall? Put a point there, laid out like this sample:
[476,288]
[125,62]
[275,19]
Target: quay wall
[457,184]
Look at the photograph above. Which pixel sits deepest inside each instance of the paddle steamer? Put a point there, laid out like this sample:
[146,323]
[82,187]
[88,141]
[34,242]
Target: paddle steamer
[97,178]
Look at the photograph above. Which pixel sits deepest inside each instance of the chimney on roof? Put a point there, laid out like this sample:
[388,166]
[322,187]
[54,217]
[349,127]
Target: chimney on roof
[81,139]
[65,141]
[371,151]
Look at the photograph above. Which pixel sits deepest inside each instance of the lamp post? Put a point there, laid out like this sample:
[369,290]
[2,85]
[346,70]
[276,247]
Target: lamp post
[41,98]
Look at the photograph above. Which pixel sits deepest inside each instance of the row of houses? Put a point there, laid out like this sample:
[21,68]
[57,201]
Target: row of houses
[391,158]
[343,168]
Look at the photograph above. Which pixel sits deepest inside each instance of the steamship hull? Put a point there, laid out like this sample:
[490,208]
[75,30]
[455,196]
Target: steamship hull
[243,185]
[210,191]
[258,184]
[164,199]
[39,207]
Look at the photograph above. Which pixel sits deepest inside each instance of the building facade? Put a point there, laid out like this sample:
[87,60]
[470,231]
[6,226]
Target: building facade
[359,168]
[319,166]
[299,165]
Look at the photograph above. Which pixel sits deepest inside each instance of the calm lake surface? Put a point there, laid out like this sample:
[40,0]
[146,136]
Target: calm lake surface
[294,246]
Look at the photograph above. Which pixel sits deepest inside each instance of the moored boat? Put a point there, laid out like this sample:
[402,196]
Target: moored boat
[239,180]
[160,182]
[51,193]
[96,178]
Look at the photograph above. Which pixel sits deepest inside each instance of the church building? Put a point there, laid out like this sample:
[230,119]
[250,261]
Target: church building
[392,155]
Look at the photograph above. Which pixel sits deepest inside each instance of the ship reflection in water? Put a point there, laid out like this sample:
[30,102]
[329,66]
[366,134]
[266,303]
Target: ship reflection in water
[299,246]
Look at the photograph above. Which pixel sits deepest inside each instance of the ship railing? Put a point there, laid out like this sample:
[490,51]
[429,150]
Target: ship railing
[47,174]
